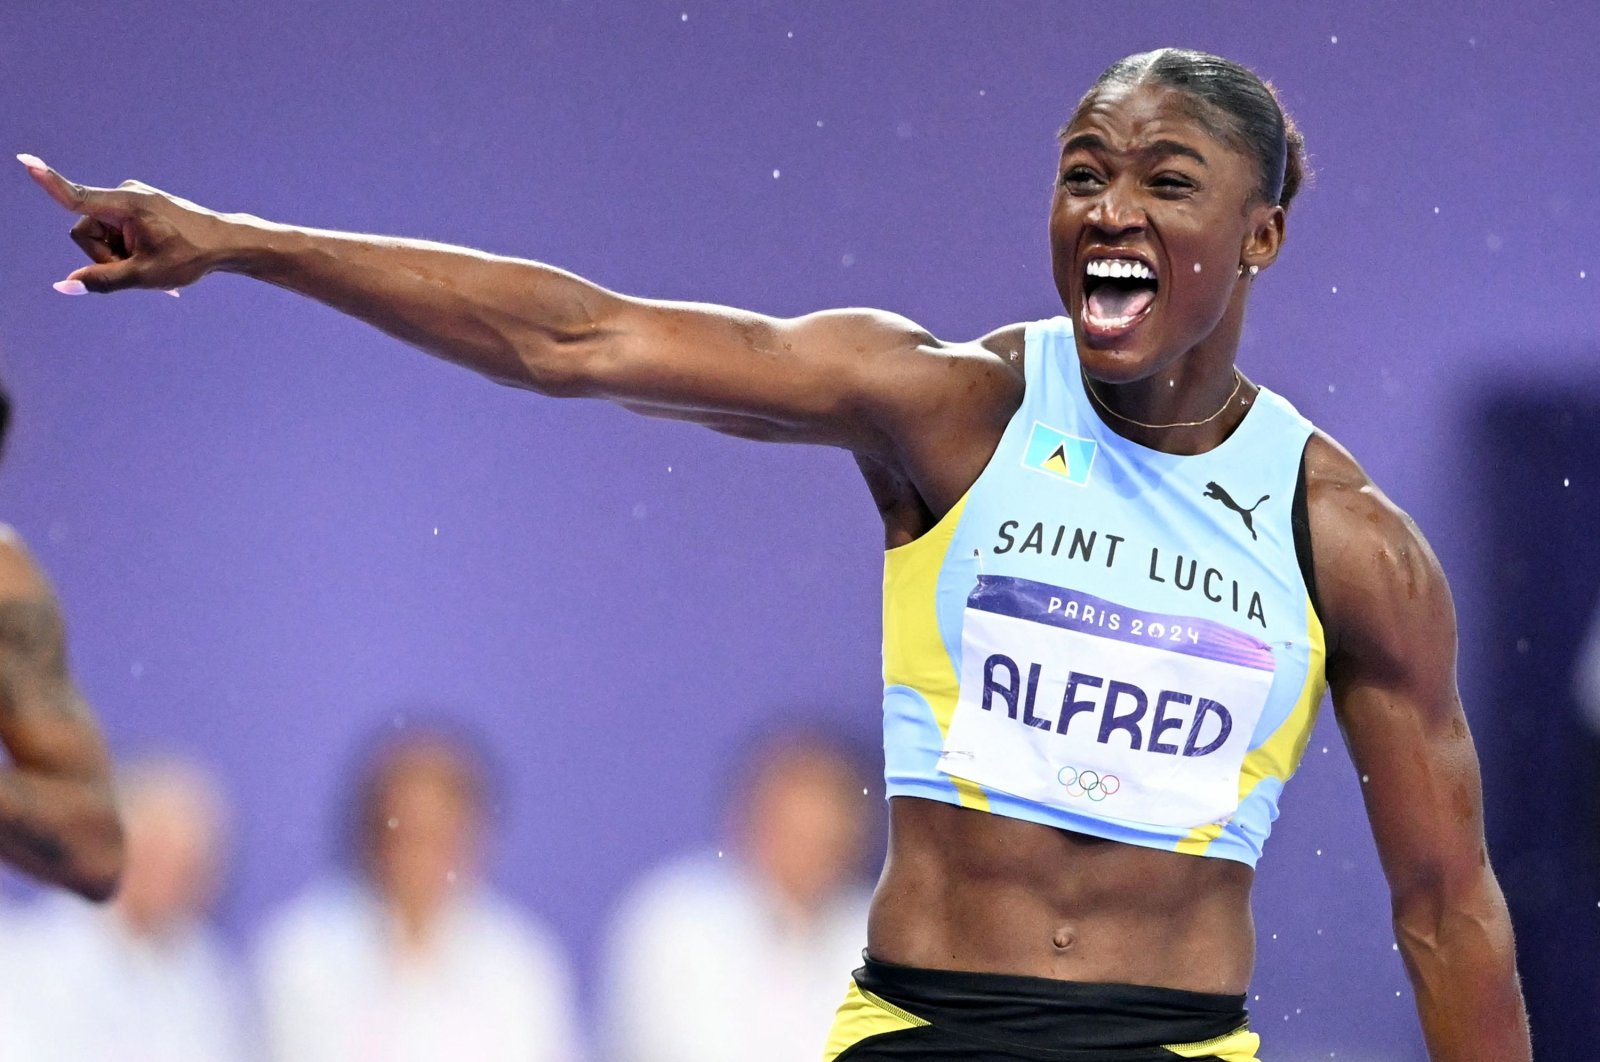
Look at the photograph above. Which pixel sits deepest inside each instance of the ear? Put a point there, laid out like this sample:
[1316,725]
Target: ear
[1264,238]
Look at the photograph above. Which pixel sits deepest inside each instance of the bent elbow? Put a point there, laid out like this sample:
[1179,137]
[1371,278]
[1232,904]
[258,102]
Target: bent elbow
[1444,907]
[559,368]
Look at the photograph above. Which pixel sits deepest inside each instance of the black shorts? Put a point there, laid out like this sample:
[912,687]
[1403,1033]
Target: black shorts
[901,1013]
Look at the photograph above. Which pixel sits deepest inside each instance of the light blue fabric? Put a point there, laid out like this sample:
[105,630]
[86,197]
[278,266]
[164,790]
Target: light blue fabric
[1067,502]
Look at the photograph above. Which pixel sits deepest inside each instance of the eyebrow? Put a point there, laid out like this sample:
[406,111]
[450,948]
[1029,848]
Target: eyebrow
[1160,148]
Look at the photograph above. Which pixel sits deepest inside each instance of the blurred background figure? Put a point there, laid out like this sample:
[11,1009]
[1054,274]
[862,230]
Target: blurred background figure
[415,959]
[745,953]
[143,979]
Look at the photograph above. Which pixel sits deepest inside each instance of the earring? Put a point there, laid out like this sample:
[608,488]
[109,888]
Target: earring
[1253,270]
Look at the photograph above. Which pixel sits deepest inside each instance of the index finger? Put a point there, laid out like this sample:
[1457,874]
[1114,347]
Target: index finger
[75,197]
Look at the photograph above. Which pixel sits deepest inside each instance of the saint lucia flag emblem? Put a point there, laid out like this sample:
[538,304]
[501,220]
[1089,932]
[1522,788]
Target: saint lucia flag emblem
[1058,454]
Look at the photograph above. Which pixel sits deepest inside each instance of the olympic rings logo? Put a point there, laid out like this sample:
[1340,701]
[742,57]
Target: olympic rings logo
[1091,784]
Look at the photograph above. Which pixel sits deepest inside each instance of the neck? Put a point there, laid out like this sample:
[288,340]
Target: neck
[1194,418]
[1189,406]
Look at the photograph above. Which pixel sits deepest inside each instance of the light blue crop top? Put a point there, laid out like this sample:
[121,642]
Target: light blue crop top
[1106,638]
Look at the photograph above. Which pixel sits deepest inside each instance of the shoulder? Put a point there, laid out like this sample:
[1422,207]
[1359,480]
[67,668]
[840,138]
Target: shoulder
[872,335]
[868,335]
[907,380]
[1379,583]
[965,376]
[1009,344]
[942,413]
[896,371]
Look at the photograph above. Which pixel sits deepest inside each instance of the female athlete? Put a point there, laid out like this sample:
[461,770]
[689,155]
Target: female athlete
[1118,576]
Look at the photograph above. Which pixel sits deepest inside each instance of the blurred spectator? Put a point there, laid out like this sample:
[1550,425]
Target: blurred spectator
[415,960]
[1586,683]
[143,980]
[746,953]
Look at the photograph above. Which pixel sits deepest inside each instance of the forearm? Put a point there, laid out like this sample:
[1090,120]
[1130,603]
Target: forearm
[1461,959]
[516,321]
[61,829]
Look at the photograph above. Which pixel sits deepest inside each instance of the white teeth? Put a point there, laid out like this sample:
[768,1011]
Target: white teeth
[1119,268]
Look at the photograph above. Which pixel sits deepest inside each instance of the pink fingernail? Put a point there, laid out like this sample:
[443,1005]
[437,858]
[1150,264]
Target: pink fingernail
[70,287]
[33,162]
[174,293]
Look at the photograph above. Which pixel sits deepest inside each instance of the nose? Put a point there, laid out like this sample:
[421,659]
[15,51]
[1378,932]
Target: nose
[1116,212]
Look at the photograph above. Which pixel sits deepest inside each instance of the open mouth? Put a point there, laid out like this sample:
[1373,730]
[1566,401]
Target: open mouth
[1117,294]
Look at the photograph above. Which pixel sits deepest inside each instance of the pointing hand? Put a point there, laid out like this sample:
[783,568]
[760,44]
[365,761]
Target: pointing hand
[137,236]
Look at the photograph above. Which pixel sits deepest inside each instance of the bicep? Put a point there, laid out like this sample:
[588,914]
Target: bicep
[823,378]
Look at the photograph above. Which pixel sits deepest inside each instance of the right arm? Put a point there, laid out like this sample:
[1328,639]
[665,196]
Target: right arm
[1391,629]
[848,378]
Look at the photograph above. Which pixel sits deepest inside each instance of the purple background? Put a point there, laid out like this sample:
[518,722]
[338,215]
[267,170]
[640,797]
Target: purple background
[274,529]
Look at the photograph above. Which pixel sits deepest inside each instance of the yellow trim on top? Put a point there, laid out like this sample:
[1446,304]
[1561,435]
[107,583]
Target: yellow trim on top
[970,794]
[914,652]
[1240,1045]
[1199,839]
[863,1015]
[1280,754]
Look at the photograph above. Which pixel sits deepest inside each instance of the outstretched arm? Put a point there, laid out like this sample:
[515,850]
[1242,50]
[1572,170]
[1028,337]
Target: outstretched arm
[58,821]
[842,378]
[1391,665]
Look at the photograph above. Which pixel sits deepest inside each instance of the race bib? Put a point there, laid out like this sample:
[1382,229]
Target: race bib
[1076,702]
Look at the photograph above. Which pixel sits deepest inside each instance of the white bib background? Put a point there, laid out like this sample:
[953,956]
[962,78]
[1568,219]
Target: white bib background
[1076,771]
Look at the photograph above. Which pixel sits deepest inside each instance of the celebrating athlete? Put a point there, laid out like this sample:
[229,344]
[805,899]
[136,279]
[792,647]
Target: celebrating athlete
[1119,575]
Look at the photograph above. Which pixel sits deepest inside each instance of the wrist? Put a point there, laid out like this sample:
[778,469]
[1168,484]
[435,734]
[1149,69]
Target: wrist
[245,244]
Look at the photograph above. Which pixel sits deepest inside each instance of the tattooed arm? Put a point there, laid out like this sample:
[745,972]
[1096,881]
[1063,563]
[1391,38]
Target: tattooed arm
[58,821]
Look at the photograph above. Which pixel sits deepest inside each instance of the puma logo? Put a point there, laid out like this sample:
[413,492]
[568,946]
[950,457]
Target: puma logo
[1214,490]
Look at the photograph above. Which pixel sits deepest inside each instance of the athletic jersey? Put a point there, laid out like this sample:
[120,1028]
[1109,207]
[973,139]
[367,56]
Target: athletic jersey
[1106,638]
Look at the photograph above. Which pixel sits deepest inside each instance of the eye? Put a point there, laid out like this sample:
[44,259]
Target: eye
[1172,184]
[1080,180]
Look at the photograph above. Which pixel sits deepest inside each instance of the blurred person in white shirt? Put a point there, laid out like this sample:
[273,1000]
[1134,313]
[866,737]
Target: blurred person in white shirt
[735,955]
[415,960]
[143,979]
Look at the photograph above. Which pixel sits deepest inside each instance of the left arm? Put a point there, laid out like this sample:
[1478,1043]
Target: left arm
[58,821]
[1391,629]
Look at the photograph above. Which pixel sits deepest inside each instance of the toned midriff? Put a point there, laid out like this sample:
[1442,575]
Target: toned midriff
[967,890]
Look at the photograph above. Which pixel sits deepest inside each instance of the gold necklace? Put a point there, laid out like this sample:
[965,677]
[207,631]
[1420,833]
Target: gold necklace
[1238,382]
